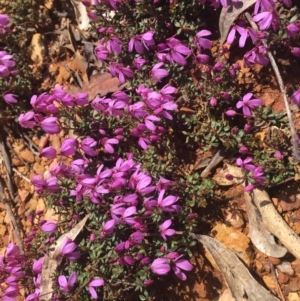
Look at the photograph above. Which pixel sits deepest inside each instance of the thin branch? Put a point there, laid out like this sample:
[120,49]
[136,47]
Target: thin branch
[217,159]
[11,216]
[7,163]
[295,147]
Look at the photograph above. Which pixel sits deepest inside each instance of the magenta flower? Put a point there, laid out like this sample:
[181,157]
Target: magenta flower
[119,70]
[164,229]
[108,228]
[95,283]
[38,265]
[266,19]
[87,146]
[295,98]
[245,163]
[160,266]
[181,265]
[278,155]
[26,121]
[157,73]
[167,203]
[10,99]
[143,187]
[4,21]
[247,103]
[114,45]
[49,226]
[203,42]
[48,152]
[292,30]
[295,51]
[67,285]
[81,99]
[230,113]
[258,175]
[68,147]
[67,249]
[106,142]
[50,126]
[139,42]
[101,53]
[139,62]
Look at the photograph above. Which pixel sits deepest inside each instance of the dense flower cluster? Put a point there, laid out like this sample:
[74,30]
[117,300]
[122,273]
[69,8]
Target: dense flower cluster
[7,63]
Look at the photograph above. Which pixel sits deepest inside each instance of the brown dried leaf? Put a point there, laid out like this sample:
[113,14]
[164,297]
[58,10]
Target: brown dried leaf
[100,84]
[229,14]
[241,283]
[52,260]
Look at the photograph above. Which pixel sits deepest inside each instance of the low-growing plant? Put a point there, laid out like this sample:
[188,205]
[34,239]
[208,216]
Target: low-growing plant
[123,160]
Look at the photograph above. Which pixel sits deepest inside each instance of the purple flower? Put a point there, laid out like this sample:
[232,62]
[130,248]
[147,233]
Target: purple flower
[143,187]
[108,228]
[101,53]
[114,45]
[245,163]
[247,103]
[49,226]
[95,283]
[81,99]
[164,229]
[295,98]
[181,265]
[87,146]
[292,30]
[50,126]
[230,113]
[139,42]
[278,155]
[258,55]
[203,42]
[243,150]
[167,203]
[139,62]
[160,266]
[258,175]
[38,265]
[4,21]
[106,142]
[157,73]
[10,99]
[67,285]
[48,152]
[295,51]
[67,249]
[119,70]
[266,19]
[68,147]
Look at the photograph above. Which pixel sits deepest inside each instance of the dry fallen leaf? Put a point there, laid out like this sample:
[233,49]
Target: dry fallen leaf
[259,235]
[265,218]
[52,260]
[241,283]
[229,14]
[99,84]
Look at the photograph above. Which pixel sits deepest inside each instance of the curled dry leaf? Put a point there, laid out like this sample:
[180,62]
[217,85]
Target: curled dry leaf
[259,235]
[52,260]
[241,283]
[229,14]
[274,223]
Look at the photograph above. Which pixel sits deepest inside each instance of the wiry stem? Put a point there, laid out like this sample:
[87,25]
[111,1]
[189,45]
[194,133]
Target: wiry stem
[295,147]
